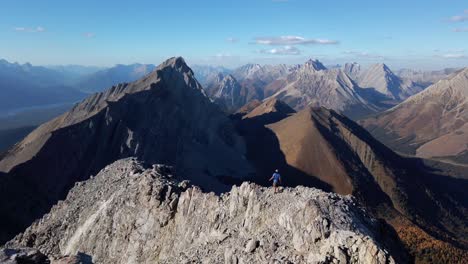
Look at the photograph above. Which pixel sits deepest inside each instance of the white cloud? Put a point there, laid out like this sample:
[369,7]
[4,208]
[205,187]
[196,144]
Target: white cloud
[460,30]
[453,56]
[460,18]
[232,40]
[89,35]
[286,50]
[222,55]
[363,54]
[29,29]
[292,40]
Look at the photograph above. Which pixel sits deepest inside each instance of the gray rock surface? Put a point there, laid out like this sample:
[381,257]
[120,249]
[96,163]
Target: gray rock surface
[383,80]
[132,214]
[312,84]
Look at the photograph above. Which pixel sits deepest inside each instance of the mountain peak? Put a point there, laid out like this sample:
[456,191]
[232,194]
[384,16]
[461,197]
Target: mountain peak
[177,63]
[315,64]
[381,66]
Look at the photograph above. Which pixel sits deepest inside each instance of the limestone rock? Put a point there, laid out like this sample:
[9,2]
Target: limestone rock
[129,213]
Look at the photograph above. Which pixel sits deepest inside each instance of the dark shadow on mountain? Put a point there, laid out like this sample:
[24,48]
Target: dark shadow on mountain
[264,152]
[376,98]
[437,203]
[84,258]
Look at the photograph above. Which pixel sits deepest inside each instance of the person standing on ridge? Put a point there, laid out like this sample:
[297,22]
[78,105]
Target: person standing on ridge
[276,178]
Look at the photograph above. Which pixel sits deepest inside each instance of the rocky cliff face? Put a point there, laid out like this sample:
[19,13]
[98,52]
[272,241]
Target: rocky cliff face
[132,214]
[164,117]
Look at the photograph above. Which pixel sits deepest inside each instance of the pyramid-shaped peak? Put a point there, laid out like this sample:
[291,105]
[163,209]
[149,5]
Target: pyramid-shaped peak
[380,66]
[315,64]
[177,63]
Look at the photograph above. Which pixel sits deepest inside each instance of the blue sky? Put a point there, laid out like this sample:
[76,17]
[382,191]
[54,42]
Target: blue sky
[417,34]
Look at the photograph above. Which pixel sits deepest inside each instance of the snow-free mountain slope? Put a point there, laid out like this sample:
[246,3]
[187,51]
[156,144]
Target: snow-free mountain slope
[430,124]
[312,84]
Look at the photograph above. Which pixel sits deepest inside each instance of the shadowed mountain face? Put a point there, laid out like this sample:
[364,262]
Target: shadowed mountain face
[431,124]
[162,118]
[322,148]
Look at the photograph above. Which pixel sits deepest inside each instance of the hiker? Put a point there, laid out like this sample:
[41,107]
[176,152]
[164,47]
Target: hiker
[276,179]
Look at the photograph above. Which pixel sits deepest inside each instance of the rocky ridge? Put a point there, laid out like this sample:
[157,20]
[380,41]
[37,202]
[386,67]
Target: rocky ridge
[129,213]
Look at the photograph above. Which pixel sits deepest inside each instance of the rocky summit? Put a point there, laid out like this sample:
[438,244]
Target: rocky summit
[132,213]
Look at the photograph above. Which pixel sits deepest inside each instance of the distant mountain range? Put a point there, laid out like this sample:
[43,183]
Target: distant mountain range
[312,84]
[24,85]
[166,117]
[431,124]
[356,91]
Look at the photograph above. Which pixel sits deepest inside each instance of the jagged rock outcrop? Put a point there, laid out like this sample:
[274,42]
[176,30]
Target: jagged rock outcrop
[431,124]
[312,84]
[164,117]
[132,214]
